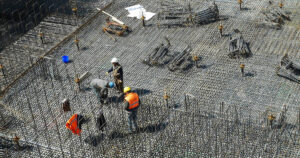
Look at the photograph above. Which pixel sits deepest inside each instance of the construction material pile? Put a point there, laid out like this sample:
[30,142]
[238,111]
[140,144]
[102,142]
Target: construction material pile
[238,47]
[172,15]
[162,56]
[116,28]
[158,56]
[289,69]
[274,17]
[211,14]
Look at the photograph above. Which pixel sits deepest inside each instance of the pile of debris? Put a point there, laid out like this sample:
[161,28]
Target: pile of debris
[274,16]
[162,56]
[116,28]
[172,15]
[289,69]
[238,47]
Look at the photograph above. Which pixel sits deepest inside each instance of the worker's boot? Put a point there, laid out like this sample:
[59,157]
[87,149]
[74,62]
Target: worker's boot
[102,101]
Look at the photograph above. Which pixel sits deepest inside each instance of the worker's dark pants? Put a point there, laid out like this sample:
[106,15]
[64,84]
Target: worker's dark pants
[100,96]
[80,120]
[132,117]
[119,85]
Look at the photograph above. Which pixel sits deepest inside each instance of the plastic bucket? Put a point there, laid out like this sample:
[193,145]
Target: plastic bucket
[65,59]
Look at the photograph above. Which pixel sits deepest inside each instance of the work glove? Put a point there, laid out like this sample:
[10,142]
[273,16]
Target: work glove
[119,81]
[106,73]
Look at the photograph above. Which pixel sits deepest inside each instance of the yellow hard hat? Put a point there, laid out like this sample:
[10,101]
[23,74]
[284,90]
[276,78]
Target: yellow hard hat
[126,89]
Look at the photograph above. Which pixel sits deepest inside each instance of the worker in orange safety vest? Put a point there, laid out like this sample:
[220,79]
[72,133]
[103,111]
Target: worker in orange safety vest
[74,124]
[132,103]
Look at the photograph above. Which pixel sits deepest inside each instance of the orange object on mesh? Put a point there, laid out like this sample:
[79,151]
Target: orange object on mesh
[72,124]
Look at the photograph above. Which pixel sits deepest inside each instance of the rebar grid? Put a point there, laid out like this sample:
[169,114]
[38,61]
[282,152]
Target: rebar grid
[58,23]
[196,127]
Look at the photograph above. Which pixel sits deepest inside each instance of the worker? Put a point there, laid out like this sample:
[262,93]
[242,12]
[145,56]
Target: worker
[74,124]
[242,66]
[132,103]
[117,73]
[100,86]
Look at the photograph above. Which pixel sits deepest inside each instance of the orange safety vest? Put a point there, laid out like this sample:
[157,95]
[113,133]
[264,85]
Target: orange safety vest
[72,124]
[133,100]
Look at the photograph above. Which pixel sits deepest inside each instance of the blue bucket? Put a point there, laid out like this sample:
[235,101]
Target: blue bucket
[65,59]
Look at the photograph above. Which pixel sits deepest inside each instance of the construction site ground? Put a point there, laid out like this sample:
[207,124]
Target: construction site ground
[218,81]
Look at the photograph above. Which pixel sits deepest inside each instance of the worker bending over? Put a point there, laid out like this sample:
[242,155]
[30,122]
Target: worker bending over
[74,124]
[132,103]
[100,86]
[117,73]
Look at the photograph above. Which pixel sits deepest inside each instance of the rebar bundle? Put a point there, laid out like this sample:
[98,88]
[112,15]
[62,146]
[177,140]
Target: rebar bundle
[288,69]
[182,60]
[274,17]
[211,14]
[156,58]
[173,14]
[162,56]
[238,47]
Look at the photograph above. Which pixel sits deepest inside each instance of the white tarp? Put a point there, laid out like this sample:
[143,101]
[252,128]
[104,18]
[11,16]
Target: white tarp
[137,11]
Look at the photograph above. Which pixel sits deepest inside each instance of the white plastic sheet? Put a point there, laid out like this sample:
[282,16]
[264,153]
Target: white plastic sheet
[137,11]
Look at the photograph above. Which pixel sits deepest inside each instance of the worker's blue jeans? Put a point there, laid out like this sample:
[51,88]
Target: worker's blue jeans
[132,117]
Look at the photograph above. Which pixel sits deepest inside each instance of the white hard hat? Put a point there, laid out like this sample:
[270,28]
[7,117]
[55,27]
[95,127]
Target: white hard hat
[114,60]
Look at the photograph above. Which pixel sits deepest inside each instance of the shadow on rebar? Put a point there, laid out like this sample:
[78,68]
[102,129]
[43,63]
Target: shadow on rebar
[245,9]
[153,128]
[8,144]
[84,48]
[148,129]
[249,74]
[94,140]
[26,147]
[115,99]
[141,91]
